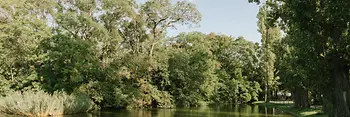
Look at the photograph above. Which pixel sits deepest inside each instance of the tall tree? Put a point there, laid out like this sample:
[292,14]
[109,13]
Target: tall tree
[22,28]
[269,35]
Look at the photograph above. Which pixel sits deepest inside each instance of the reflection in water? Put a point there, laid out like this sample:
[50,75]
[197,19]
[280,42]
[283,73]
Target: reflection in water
[212,111]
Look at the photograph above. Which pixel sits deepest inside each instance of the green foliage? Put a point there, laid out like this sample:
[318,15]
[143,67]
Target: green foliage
[241,72]
[192,77]
[270,35]
[111,96]
[149,96]
[226,63]
[20,35]
[315,57]
[68,63]
[116,52]
[32,103]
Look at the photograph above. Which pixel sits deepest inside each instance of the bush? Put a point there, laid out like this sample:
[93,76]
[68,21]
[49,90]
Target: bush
[105,94]
[148,96]
[31,103]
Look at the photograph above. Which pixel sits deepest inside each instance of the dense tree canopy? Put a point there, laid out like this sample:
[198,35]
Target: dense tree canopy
[117,52]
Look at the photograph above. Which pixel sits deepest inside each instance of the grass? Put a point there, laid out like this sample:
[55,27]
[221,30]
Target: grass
[40,103]
[288,107]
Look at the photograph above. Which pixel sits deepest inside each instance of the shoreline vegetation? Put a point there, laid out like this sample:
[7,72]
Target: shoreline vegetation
[40,103]
[288,107]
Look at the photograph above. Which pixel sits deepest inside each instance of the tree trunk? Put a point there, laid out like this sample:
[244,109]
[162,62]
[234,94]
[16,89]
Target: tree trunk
[339,72]
[151,50]
[327,105]
[301,98]
[275,94]
[341,88]
[11,71]
[267,93]
[316,97]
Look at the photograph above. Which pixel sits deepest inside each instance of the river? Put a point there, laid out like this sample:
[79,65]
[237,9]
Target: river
[212,111]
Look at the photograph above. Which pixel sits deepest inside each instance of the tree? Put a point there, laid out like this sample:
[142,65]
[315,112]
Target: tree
[325,23]
[22,28]
[192,70]
[161,14]
[270,34]
[296,68]
[69,63]
[240,74]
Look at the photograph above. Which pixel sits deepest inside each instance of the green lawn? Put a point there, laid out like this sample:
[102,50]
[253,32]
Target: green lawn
[288,107]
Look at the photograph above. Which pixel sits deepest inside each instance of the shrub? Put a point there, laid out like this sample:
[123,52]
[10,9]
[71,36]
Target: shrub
[105,94]
[40,103]
[148,96]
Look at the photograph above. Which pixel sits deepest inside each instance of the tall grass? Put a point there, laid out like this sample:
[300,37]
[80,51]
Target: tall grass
[39,103]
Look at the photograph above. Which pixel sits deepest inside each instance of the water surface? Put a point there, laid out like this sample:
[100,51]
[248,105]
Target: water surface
[209,111]
[212,111]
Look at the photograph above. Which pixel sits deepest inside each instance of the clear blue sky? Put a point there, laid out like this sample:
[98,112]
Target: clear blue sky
[230,17]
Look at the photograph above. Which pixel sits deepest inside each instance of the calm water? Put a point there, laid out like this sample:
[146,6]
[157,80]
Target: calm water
[213,111]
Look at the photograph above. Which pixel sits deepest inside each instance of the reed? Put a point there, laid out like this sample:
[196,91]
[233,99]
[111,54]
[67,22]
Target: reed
[40,103]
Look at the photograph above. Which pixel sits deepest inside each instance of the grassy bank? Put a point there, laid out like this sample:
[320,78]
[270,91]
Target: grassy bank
[288,107]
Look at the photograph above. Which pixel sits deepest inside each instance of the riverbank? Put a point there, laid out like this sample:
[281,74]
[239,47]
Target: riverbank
[287,106]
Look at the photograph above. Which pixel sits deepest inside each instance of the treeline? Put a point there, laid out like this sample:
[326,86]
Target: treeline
[117,53]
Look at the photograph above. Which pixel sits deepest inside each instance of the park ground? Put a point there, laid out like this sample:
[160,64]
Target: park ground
[287,106]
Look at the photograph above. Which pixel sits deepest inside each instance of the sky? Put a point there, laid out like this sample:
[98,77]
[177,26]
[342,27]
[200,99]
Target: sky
[230,17]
